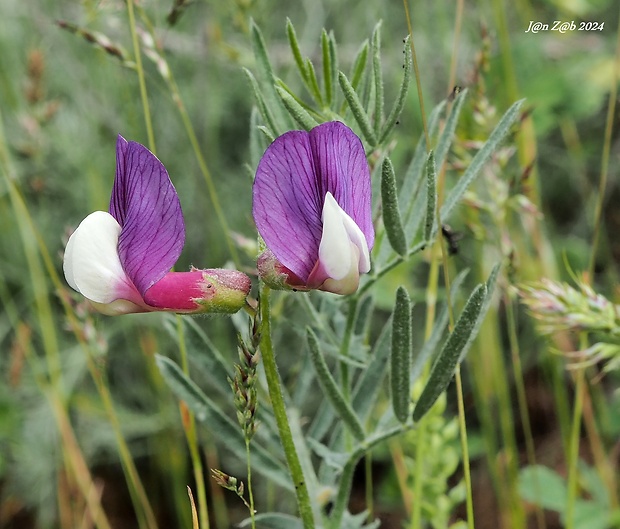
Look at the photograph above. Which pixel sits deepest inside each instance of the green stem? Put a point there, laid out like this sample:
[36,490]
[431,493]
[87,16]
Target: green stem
[144,512]
[189,425]
[279,411]
[522,403]
[140,70]
[417,77]
[344,352]
[464,448]
[573,454]
[611,109]
[250,492]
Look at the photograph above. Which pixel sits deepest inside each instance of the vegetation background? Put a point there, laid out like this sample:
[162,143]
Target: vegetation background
[67,88]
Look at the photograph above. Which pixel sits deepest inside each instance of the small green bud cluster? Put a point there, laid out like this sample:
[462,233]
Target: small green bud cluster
[229,483]
[244,383]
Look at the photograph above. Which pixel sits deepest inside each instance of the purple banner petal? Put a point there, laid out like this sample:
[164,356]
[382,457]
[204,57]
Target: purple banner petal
[287,203]
[343,170]
[292,179]
[146,205]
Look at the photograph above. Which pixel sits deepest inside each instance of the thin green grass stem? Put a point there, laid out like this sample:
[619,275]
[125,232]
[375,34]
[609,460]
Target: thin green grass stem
[142,505]
[573,455]
[144,512]
[421,435]
[141,80]
[522,403]
[345,383]
[279,411]
[189,425]
[417,76]
[175,94]
[611,109]
[250,492]
[459,383]
[202,164]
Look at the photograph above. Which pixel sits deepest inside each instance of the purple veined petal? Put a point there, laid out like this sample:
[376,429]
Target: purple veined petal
[343,171]
[146,205]
[287,203]
[91,263]
[292,179]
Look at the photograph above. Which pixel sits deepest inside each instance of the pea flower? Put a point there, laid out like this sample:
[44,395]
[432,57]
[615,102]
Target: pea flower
[312,208]
[120,260]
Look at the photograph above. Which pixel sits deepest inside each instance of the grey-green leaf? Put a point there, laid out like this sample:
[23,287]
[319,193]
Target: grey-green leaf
[298,112]
[431,197]
[496,137]
[451,353]
[294,44]
[401,355]
[358,110]
[377,76]
[392,118]
[391,212]
[447,134]
[227,430]
[331,389]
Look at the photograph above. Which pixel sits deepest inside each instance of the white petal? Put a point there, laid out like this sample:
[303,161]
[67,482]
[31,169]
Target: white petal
[91,263]
[343,248]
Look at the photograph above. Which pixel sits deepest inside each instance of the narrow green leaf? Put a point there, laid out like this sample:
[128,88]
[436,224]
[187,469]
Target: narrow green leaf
[392,118]
[313,83]
[257,146]
[227,430]
[441,322]
[327,68]
[298,112]
[367,388]
[490,284]
[333,61]
[431,197]
[267,133]
[412,194]
[377,74]
[266,74]
[331,389]
[356,107]
[447,360]
[391,212]
[359,65]
[268,117]
[294,44]
[202,352]
[447,134]
[496,137]
[274,520]
[401,355]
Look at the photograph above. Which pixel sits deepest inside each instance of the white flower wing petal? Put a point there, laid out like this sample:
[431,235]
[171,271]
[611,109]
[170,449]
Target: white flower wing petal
[92,265]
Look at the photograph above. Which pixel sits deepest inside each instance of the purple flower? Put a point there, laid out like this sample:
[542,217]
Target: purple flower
[121,260]
[312,207]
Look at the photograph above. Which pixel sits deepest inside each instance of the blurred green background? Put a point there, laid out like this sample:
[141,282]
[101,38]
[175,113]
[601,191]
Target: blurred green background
[64,99]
